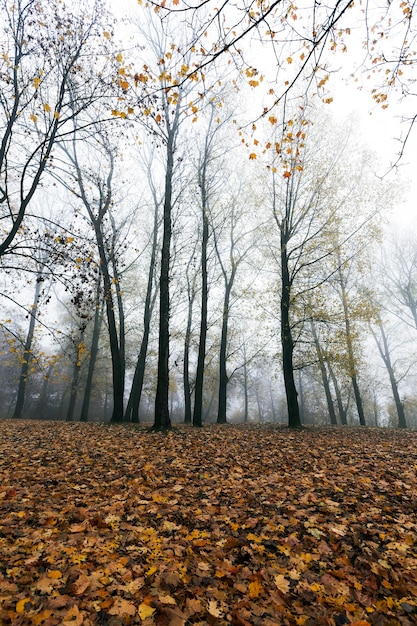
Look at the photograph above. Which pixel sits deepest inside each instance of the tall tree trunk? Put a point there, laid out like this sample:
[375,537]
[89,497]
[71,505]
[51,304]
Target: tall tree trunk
[119,300]
[116,357]
[186,370]
[287,341]
[162,419]
[97,216]
[258,404]
[223,378]
[385,354]
[274,414]
[199,381]
[245,392]
[324,377]
[42,402]
[76,376]
[340,407]
[98,317]
[351,355]
[27,351]
[132,409]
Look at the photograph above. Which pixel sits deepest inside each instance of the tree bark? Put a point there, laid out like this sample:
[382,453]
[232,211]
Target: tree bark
[42,402]
[287,341]
[199,381]
[27,351]
[186,369]
[245,392]
[324,377]
[93,355]
[75,378]
[116,357]
[385,354]
[162,418]
[351,355]
[223,378]
[132,409]
[341,409]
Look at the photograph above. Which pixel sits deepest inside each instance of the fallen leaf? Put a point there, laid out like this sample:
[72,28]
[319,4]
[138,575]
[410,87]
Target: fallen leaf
[124,608]
[213,609]
[145,611]
[23,605]
[255,589]
[282,583]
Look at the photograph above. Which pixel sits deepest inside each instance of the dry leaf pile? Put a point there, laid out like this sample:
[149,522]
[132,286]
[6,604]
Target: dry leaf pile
[248,526]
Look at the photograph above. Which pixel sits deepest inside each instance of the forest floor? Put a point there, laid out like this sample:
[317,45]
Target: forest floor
[241,525]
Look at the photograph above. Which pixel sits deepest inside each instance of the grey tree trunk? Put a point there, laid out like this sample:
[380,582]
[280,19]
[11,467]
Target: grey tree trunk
[75,378]
[350,353]
[98,318]
[132,409]
[340,407]
[162,418]
[324,376]
[27,351]
[385,354]
[287,342]
[223,378]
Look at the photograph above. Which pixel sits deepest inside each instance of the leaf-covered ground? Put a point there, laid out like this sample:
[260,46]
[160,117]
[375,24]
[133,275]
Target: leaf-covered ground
[234,525]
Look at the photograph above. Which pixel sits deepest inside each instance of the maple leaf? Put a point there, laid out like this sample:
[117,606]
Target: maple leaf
[213,609]
[193,606]
[167,600]
[41,618]
[44,585]
[282,583]
[73,617]
[124,608]
[252,156]
[145,611]
[255,589]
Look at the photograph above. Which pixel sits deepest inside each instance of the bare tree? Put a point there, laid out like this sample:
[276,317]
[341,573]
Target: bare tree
[94,184]
[233,243]
[311,201]
[47,78]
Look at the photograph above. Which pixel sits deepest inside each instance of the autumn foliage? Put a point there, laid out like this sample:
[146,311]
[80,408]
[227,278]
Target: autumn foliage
[221,525]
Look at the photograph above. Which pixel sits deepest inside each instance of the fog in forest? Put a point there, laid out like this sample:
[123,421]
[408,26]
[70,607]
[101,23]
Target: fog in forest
[200,221]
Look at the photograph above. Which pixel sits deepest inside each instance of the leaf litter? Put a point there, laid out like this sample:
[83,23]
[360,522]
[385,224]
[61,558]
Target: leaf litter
[241,525]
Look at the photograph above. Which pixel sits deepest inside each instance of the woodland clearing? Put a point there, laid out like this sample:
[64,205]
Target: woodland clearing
[241,525]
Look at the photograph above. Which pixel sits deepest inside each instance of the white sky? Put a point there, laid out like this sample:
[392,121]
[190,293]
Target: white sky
[381,128]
